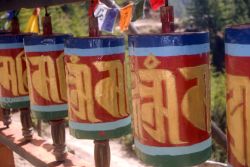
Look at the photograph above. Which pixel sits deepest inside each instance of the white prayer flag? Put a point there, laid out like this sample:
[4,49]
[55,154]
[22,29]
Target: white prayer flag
[100,13]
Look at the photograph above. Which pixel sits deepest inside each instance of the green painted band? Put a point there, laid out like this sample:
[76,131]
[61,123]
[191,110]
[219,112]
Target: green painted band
[175,161]
[16,105]
[47,116]
[100,135]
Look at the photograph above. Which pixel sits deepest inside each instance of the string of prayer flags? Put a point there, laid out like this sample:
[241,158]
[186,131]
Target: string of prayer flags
[155,4]
[125,16]
[33,23]
[106,17]
[138,10]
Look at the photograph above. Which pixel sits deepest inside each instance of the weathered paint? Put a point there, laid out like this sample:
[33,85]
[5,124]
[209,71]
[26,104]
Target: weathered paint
[96,87]
[13,80]
[47,80]
[171,98]
[238,95]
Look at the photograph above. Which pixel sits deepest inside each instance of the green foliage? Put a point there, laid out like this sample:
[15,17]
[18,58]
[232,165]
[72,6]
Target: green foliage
[218,99]
[218,109]
[218,153]
[179,7]
[128,142]
[215,15]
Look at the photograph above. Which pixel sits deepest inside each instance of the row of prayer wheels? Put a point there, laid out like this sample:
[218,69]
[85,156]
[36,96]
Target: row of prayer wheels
[85,79]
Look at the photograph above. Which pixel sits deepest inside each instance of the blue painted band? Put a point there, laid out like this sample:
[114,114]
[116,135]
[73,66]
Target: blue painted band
[50,108]
[4,32]
[44,48]
[237,50]
[100,126]
[14,99]
[95,51]
[11,45]
[173,39]
[95,42]
[170,50]
[237,35]
[11,38]
[45,40]
[174,151]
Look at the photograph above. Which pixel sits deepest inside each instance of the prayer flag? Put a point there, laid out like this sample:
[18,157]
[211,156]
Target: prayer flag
[106,17]
[155,4]
[100,13]
[109,20]
[125,16]
[138,10]
[33,23]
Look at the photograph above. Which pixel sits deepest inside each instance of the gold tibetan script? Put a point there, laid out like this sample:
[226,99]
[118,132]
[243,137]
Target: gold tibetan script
[48,77]
[238,117]
[195,104]
[109,92]
[159,85]
[13,74]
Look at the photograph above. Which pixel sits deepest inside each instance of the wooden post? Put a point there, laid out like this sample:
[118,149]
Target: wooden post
[93,27]
[6,157]
[6,117]
[57,126]
[26,124]
[15,26]
[102,153]
[167,18]
[58,137]
[39,127]
[102,148]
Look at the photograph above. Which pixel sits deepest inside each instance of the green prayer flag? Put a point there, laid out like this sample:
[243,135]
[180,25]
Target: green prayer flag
[138,9]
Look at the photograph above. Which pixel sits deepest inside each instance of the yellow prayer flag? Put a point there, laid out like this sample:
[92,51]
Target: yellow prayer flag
[125,16]
[33,23]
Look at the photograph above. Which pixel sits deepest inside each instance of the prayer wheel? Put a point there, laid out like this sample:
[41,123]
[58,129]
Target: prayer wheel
[171,98]
[13,81]
[96,87]
[237,40]
[46,76]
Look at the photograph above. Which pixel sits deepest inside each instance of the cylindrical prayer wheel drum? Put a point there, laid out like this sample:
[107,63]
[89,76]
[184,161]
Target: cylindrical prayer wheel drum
[46,76]
[13,73]
[96,87]
[238,95]
[171,98]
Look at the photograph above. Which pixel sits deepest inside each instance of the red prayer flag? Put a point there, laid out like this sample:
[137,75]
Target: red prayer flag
[155,4]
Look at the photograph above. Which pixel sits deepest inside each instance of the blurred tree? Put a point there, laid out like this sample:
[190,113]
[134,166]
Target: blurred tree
[214,16]
[247,3]
[180,7]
